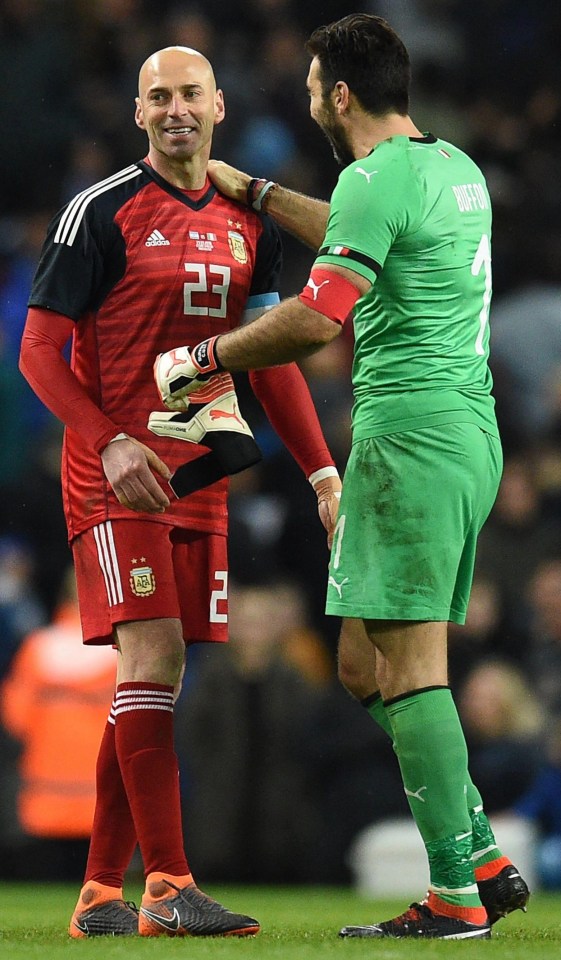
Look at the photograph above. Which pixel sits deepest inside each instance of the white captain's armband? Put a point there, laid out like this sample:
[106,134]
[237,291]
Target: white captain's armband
[257,304]
[330,294]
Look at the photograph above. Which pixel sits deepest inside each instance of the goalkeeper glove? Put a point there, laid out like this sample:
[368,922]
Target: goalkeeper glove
[184,369]
[218,425]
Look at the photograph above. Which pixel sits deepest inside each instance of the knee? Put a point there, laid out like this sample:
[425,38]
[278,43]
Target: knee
[152,655]
[170,664]
[351,676]
[165,667]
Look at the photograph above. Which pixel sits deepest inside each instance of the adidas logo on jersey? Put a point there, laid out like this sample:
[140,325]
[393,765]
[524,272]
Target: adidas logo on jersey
[156,239]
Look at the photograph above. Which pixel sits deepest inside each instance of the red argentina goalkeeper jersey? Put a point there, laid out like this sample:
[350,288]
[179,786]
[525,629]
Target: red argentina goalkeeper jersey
[143,267]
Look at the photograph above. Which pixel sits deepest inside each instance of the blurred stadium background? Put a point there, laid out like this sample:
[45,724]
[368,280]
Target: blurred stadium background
[307,769]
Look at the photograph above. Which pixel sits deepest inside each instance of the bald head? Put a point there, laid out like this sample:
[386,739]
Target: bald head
[173,60]
[178,106]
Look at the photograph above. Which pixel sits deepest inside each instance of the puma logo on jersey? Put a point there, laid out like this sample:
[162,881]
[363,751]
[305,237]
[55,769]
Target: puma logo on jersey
[156,239]
[315,288]
[416,793]
[365,173]
[338,586]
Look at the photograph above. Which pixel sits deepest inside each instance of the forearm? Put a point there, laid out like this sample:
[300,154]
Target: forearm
[288,332]
[304,217]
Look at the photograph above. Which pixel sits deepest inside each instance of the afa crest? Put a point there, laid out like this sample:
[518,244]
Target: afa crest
[142,581]
[236,243]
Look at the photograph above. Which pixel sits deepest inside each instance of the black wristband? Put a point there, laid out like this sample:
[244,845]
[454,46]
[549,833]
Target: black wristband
[250,192]
[204,357]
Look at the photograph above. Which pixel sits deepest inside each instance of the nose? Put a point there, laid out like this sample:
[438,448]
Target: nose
[177,106]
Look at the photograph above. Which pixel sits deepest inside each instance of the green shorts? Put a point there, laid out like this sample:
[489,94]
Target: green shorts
[412,506]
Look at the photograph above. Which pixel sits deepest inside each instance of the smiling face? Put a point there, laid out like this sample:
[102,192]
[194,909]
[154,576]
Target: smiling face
[178,106]
[322,110]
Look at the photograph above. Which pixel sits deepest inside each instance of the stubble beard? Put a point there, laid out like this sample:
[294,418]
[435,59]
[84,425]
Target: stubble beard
[337,140]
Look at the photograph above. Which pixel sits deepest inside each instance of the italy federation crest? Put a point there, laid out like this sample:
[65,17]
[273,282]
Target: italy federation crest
[236,243]
[142,581]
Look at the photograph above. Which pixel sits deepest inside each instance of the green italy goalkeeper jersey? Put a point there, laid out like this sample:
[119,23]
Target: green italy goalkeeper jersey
[414,217]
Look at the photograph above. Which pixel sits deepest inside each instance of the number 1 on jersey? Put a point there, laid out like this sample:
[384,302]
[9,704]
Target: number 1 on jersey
[483,259]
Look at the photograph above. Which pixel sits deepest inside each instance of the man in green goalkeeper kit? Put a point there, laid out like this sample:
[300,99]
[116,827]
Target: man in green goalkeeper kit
[405,244]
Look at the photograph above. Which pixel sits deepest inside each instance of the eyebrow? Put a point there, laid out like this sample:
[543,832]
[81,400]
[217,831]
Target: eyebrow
[160,88]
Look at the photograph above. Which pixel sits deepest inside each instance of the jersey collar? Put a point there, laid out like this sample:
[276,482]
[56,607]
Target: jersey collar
[426,138]
[174,191]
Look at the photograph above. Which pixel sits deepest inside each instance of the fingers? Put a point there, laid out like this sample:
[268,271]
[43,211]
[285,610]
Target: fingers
[142,494]
[229,181]
[154,462]
[128,466]
[328,509]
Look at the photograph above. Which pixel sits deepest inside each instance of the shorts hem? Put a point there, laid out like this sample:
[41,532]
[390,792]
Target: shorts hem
[365,612]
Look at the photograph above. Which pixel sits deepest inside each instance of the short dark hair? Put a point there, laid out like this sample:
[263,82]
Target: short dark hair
[368,55]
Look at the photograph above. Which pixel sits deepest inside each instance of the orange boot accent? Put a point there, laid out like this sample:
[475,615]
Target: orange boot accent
[92,894]
[477,915]
[157,888]
[489,870]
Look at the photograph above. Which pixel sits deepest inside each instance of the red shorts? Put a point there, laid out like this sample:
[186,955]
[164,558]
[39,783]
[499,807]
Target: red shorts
[143,570]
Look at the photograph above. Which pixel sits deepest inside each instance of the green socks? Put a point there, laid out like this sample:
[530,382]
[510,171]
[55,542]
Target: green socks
[485,848]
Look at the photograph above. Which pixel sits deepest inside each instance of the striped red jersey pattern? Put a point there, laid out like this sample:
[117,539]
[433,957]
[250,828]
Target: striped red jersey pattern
[143,267]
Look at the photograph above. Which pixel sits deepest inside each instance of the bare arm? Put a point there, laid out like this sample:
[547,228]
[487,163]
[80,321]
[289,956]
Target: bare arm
[303,217]
[287,332]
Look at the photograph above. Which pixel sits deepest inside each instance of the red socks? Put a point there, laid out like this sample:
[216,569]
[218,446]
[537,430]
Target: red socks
[144,746]
[113,837]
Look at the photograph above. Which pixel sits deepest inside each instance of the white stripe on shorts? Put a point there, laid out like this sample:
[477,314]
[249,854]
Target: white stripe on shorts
[107,556]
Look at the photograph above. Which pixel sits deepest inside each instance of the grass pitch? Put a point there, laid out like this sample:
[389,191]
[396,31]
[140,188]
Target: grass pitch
[298,923]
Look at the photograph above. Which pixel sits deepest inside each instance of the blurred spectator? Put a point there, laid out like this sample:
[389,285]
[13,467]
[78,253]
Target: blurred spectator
[544,651]
[39,67]
[516,537]
[526,360]
[484,634]
[32,509]
[503,721]
[541,804]
[21,610]
[23,417]
[54,704]
[243,725]
[14,453]
[357,778]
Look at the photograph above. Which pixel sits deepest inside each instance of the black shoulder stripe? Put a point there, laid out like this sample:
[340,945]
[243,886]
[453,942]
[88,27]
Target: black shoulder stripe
[72,217]
[337,250]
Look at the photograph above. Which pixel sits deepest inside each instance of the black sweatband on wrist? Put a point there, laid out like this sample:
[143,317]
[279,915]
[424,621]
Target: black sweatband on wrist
[250,192]
[204,357]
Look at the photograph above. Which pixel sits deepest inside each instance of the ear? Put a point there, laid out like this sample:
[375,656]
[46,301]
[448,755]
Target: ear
[341,96]
[219,108]
[138,115]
